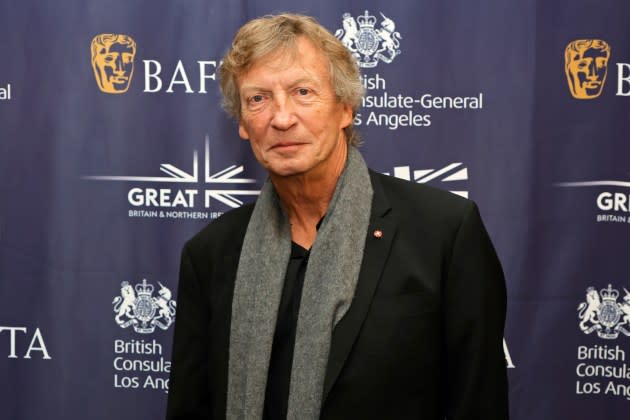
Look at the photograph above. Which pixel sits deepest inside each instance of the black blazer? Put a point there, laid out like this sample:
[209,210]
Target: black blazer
[421,340]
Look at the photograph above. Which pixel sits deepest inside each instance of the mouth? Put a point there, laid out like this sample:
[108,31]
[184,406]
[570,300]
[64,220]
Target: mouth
[286,145]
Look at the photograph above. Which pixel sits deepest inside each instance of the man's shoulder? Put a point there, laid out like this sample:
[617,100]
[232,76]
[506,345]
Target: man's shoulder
[421,199]
[227,229]
[422,211]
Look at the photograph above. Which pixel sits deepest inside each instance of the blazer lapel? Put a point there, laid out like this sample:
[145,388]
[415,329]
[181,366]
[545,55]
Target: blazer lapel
[377,247]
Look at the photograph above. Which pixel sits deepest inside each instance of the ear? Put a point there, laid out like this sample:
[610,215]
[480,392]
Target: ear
[242,131]
[346,115]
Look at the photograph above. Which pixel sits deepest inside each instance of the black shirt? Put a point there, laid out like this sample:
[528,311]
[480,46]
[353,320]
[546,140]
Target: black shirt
[279,375]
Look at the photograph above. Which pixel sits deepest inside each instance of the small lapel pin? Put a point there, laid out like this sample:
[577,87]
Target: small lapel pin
[378,234]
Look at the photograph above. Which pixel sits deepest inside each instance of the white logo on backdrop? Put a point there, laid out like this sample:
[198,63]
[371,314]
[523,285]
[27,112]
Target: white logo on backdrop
[225,176]
[603,183]
[143,311]
[602,313]
[612,203]
[369,44]
[449,173]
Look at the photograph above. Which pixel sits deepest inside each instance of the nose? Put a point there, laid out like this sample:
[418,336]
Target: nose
[283,113]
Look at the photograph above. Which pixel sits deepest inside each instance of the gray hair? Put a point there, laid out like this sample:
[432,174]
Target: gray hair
[269,34]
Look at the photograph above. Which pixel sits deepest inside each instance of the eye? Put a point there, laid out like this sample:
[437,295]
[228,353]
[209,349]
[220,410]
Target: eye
[303,91]
[256,101]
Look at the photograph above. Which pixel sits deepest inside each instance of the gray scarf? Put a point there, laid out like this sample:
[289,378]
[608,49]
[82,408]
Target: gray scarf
[329,284]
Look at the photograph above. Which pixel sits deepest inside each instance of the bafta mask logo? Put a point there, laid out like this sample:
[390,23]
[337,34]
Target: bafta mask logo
[586,65]
[112,61]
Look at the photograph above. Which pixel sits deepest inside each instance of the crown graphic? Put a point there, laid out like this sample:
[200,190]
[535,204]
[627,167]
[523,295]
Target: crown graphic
[144,288]
[609,294]
[366,20]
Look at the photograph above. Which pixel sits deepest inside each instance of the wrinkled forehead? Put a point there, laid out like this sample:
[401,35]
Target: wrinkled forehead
[283,57]
[301,54]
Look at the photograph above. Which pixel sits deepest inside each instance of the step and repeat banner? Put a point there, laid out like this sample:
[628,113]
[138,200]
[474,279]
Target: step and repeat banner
[114,151]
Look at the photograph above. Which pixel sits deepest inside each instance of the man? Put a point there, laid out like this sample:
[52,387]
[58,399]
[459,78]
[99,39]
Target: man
[342,293]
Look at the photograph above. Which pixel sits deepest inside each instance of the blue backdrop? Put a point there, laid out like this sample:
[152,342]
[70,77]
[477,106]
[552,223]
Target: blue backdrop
[114,150]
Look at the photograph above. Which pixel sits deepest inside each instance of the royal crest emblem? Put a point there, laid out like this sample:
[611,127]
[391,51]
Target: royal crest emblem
[602,313]
[367,43]
[137,307]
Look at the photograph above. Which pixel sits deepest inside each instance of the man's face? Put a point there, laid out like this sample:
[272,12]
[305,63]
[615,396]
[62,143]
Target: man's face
[290,115]
[587,72]
[113,65]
